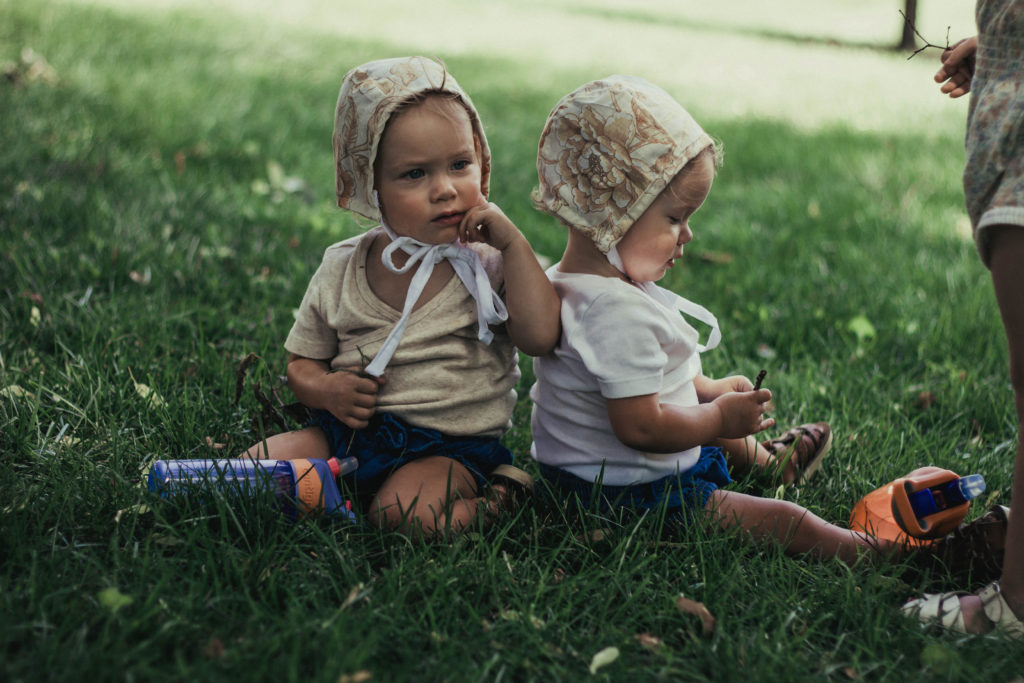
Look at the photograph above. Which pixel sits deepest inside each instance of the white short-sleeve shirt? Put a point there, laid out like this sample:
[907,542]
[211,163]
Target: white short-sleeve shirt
[617,342]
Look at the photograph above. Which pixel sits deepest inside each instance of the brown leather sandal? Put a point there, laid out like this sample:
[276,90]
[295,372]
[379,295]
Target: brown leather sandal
[518,484]
[806,445]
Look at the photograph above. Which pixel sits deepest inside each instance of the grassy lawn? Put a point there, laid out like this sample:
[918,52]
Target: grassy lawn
[166,192]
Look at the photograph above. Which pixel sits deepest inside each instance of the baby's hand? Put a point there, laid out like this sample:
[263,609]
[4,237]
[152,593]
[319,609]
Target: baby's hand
[487,223]
[958,67]
[738,383]
[351,396]
[709,389]
[743,413]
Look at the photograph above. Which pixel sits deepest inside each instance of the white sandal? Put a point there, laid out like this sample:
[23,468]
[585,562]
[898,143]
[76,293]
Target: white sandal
[944,608]
[998,611]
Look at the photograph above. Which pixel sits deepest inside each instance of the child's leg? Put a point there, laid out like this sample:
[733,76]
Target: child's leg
[433,494]
[304,443]
[745,455]
[798,530]
[1007,259]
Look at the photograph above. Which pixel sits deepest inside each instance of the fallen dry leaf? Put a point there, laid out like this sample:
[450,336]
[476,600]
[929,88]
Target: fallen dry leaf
[34,297]
[113,599]
[515,615]
[926,399]
[357,593]
[14,391]
[357,677]
[143,278]
[603,658]
[214,648]
[146,393]
[688,606]
[138,508]
[649,641]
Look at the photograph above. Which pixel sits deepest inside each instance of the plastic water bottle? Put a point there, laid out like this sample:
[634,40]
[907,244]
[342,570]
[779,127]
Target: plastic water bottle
[915,509]
[955,492]
[301,487]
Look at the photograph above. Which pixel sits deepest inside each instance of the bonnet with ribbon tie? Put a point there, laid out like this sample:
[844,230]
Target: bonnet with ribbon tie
[369,95]
[608,149]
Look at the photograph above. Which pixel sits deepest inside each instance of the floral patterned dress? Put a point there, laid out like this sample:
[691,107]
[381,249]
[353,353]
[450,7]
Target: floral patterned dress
[994,175]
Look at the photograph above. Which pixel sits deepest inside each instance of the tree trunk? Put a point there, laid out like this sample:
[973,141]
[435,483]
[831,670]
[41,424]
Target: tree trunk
[907,41]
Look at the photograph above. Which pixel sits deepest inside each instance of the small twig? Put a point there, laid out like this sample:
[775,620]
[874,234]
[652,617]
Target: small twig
[918,34]
[273,412]
[760,378]
[364,360]
[243,368]
[269,414]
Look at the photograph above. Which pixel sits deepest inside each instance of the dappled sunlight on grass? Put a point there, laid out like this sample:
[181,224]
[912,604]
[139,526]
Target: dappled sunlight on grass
[726,59]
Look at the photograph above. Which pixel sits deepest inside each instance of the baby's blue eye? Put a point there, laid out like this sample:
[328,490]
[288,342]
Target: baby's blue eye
[460,165]
[414,174]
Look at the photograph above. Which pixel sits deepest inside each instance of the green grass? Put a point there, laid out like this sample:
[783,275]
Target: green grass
[166,192]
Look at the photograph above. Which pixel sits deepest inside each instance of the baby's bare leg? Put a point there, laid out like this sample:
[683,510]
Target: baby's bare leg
[798,530]
[432,495]
[304,443]
[793,455]
[745,454]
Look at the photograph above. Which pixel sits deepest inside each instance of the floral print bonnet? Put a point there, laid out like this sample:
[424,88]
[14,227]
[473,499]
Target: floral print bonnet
[607,151]
[369,94]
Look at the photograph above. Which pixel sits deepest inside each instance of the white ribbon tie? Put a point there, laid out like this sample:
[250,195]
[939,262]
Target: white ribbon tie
[674,301]
[490,309]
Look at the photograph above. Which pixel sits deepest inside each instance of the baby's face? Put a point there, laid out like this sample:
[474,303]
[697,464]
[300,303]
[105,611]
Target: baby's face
[428,171]
[656,239]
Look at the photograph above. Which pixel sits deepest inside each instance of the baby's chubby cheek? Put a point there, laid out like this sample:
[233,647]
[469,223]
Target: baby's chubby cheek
[479,199]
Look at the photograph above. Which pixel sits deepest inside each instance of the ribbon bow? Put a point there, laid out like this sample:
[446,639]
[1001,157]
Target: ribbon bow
[490,309]
[674,301]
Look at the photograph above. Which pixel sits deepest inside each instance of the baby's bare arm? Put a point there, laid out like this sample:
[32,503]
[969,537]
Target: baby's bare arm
[348,394]
[646,424]
[709,389]
[533,307]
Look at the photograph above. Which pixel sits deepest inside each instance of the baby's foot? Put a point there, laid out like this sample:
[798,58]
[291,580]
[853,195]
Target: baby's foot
[968,612]
[510,486]
[800,451]
[973,614]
